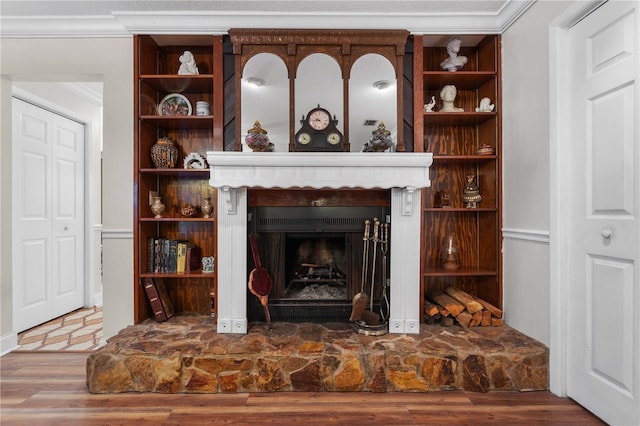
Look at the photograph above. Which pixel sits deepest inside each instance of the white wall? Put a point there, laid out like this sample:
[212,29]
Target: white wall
[92,59]
[525,112]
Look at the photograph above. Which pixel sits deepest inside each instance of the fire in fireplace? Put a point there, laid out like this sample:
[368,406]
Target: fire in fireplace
[314,256]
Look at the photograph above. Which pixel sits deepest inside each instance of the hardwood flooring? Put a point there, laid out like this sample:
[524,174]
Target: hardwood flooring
[48,388]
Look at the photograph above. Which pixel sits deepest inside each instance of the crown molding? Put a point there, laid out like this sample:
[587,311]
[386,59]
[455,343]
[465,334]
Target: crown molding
[126,23]
[61,27]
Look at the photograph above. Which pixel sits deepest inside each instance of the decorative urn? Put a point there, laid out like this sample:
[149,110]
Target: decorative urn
[257,139]
[164,154]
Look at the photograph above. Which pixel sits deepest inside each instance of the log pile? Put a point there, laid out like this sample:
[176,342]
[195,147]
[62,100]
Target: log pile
[454,305]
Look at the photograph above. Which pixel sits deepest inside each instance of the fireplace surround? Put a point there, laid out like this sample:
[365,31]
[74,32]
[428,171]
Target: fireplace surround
[404,174]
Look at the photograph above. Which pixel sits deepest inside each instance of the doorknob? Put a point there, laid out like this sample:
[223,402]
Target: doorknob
[606,233]
[66,227]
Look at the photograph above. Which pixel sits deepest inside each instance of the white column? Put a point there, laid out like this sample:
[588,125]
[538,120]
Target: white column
[232,260]
[405,261]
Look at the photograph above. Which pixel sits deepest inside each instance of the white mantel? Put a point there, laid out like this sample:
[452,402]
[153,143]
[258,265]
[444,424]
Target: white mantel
[403,173]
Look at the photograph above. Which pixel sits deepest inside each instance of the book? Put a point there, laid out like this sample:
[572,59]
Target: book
[158,250]
[194,258]
[151,241]
[172,256]
[164,268]
[158,298]
[182,256]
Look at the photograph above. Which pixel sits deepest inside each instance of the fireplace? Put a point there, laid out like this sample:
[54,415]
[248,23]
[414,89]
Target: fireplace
[403,174]
[315,256]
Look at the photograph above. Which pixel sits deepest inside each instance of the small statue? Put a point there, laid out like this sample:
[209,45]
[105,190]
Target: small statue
[448,95]
[471,194]
[380,140]
[453,62]
[187,64]
[485,105]
[429,107]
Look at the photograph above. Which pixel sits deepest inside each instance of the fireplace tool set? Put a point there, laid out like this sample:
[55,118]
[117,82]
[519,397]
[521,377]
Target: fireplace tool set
[368,321]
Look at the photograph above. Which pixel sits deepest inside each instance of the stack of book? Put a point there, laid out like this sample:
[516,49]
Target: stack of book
[165,256]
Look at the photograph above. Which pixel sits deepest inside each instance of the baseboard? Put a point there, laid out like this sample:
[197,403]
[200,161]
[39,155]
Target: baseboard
[97,299]
[8,343]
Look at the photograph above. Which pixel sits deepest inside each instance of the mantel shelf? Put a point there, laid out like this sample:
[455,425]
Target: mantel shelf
[319,170]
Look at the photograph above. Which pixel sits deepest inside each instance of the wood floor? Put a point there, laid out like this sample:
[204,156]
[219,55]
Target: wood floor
[48,388]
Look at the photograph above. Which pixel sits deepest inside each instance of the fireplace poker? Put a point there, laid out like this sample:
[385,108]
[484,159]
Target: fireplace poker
[360,299]
[384,249]
[376,227]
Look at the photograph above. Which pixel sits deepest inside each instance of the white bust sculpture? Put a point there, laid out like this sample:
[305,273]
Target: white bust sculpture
[453,62]
[187,64]
[485,105]
[448,95]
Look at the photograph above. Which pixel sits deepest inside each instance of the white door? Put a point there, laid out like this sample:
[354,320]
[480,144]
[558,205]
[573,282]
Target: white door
[48,215]
[603,348]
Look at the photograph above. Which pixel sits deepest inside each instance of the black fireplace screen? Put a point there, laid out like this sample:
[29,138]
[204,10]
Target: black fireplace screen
[314,256]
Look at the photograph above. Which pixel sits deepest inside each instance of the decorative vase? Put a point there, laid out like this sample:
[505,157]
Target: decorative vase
[206,207]
[449,259]
[257,139]
[164,154]
[157,208]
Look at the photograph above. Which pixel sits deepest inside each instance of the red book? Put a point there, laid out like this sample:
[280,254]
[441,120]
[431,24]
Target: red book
[158,299]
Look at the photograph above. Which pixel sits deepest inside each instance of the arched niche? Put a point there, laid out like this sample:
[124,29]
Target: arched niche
[369,102]
[345,47]
[265,98]
[319,82]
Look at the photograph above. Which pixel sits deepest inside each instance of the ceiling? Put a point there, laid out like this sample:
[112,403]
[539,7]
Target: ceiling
[69,18]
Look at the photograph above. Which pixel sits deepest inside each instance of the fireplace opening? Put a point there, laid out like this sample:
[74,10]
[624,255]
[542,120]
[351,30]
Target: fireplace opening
[314,256]
[315,266]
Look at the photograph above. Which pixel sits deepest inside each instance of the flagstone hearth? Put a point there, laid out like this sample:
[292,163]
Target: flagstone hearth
[187,355]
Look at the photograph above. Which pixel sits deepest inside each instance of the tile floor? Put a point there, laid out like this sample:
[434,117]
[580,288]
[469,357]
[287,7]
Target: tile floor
[79,330]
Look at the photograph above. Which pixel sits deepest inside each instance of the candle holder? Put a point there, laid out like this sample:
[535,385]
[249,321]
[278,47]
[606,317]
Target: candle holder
[449,254]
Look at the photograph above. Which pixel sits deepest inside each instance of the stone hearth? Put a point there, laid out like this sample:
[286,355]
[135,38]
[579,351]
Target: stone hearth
[187,355]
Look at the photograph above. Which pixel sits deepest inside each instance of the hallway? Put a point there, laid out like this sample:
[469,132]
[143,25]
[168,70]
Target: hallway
[80,330]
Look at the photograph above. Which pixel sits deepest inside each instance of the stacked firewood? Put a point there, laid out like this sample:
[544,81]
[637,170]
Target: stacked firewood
[454,305]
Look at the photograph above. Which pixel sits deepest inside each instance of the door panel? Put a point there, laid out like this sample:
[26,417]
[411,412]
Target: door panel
[610,310]
[48,215]
[603,318]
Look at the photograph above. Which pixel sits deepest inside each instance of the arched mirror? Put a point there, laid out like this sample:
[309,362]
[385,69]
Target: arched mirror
[265,98]
[372,99]
[319,82]
[309,66]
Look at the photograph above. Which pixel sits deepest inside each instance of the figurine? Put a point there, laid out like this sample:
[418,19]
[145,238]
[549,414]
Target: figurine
[453,62]
[429,107]
[485,105]
[471,194]
[187,64]
[380,140]
[448,95]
